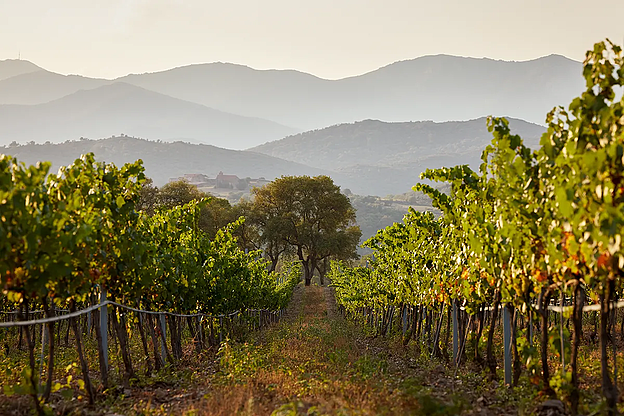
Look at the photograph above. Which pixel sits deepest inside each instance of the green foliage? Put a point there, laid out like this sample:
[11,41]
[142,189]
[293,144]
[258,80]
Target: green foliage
[239,361]
[65,237]
[309,214]
[528,222]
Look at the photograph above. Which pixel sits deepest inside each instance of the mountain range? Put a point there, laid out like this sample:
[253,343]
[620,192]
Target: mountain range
[396,145]
[376,144]
[369,157]
[163,160]
[387,158]
[439,88]
[123,108]
[13,67]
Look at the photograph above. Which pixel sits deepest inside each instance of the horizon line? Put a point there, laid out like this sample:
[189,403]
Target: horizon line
[294,69]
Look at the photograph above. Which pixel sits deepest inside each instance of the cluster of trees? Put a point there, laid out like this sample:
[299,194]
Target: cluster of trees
[298,216]
[528,228]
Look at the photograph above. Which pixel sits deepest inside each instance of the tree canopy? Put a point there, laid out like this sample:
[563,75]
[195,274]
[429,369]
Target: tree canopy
[311,215]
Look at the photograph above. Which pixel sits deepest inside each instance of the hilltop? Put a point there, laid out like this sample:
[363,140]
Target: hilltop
[439,87]
[162,160]
[13,67]
[389,157]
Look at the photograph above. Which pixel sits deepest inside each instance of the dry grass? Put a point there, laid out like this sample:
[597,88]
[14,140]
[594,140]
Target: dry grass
[311,364]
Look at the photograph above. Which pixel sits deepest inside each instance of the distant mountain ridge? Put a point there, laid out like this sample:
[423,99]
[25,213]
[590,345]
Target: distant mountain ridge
[124,108]
[435,87]
[238,107]
[40,87]
[374,142]
[369,157]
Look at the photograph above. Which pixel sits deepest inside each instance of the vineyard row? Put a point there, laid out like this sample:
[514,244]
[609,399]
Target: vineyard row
[75,240]
[529,229]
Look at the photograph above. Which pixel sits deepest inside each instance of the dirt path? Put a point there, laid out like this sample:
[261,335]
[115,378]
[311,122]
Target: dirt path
[310,364]
[315,362]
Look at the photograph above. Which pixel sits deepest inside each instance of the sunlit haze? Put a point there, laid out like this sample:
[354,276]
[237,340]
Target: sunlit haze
[328,38]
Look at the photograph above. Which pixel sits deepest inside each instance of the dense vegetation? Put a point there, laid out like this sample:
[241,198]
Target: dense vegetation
[534,236]
[529,228]
[69,239]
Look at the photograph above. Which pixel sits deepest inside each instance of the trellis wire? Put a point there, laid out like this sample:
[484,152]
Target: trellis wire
[104,317]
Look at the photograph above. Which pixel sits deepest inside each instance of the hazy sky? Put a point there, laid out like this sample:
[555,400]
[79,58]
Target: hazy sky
[329,38]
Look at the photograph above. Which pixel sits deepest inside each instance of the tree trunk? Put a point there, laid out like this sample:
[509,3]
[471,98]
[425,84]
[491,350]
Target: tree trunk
[174,337]
[307,270]
[543,302]
[312,267]
[427,329]
[164,341]
[608,388]
[31,355]
[158,364]
[273,264]
[148,363]
[414,320]
[480,325]
[447,334]
[419,322]
[83,362]
[98,336]
[50,332]
[123,344]
[67,335]
[307,275]
[491,358]
[322,268]
[436,338]
[577,320]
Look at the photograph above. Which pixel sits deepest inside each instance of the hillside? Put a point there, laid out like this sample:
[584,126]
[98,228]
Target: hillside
[123,108]
[368,157]
[163,160]
[13,67]
[43,86]
[444,88]
[439,88]
[378,143]
[390,156]
[289,96]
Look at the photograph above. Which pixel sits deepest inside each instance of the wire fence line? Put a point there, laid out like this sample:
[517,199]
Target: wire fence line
[81,312]
[560,309]
[53,318]
[103,302]
[386,314]
[218,325]
[16,312]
